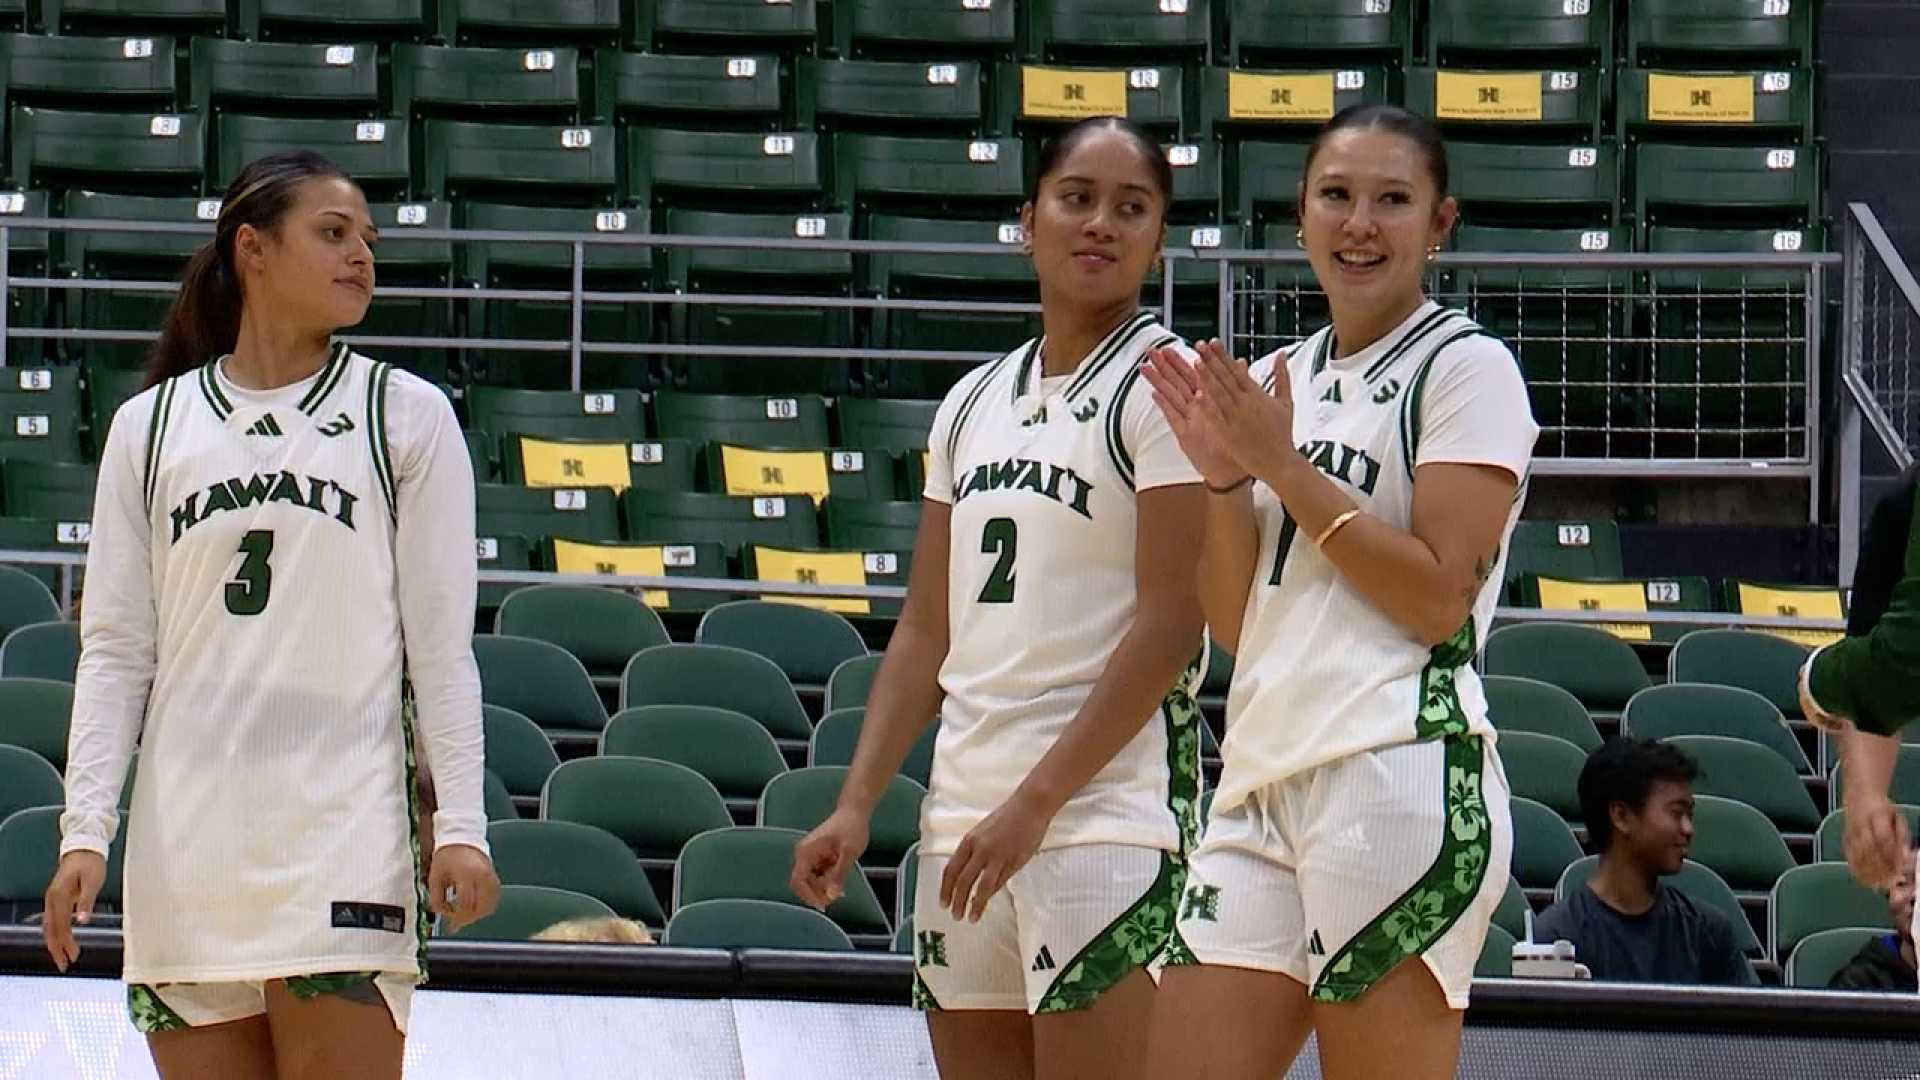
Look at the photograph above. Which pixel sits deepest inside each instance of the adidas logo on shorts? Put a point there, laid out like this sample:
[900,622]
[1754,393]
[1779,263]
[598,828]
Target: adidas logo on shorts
[1043,961]
[1314,948]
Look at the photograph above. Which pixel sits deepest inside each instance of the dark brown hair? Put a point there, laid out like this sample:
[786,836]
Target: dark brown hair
[1058,147]
[1410,126]
[204,321]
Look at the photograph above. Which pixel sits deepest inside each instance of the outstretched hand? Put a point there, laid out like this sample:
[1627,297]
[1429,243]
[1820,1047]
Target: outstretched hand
[1252,423]
[1176,390]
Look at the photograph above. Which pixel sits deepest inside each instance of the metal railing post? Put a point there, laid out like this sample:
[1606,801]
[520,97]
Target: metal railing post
[6,292]
[1166,288]
[1812,321]
[575,335]
[1224,314]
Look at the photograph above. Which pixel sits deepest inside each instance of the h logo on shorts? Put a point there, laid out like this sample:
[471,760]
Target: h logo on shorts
[1202,902]
[932,949]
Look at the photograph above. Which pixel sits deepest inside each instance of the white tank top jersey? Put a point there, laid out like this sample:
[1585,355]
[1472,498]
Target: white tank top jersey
[1042,480]
[265,568]
[1321,672]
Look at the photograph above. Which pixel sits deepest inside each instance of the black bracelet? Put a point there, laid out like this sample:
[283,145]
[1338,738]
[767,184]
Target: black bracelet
[1231,488]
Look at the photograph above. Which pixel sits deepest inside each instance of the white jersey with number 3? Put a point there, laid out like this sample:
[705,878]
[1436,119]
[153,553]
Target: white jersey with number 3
[1042,476]
[1321,673]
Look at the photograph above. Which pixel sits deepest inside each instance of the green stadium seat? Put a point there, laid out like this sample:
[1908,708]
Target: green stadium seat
[891,424]
[602,628]
[129,73]
[905,95]
[654,807]
[107,388]
[1317,27]
[496,799]
[1660,712]
[838,732]
[1725,186]
[804,798]
[1543,843]
[504,552]
[1064,29]
[34,715]
[1700,884]
[722,25]
[670,517]
[538,513]
[1767,665]
[906,881]
[935,28]
[1751,773]
[610,415]
[738,923]
[149,256]
[755,863]
[695,91]
[24,600]
[972,177]
[1496,954]
[131,16]
[1678,594]
[1237,103]
[517,21]
[1570,550]
[27,779]
[278,76]
[1520,704]
[1509,30]
[1738,843]
[1197,186]
[696,559]
[412,262]
[432,80]
[1005,281]
[13,15]
[1820,955]
[718,676]
[43,535]
[48,650]
[796,422]
[38,489]
[1829,841]
[1037,99]
[1773,598]
[374,152]
[328,20]
[1906,779]
[553,161]
[731,749]
[1554,186]
[1596,667]
[1516,103]
[29,854]
[1512,913]
[807,643]
[765,563]
[517,751]
[40,419]
[651,465]
[1267,178]
[1545,769]
[1292,305]
[125,151]
[525,910]
[1717,31]
[860,525]
[847,688]
[717,167]
[762,271]
[581,858]
[28,253]
[1822,896]
[539,680]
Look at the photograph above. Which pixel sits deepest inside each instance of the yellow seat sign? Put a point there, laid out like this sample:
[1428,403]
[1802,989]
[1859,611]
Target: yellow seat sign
[1630,596]
[1806,603]
[814,568]
[544,463]
[1700,99]
[1252,96]
[574,557]
[774,472]
[1487,95]
[1063,94]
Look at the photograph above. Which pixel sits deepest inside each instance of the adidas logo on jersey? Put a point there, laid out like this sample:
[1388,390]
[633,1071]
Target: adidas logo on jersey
[1043,961]
[1332,396]
[266,425]
[337,426]
[1314,948]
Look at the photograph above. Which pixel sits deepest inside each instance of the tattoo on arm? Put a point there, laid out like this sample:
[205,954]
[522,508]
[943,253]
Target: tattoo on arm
[1482,569]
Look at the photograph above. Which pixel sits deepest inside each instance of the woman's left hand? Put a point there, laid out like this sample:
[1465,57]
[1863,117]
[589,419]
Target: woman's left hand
[1256,426]
[461,885]
[989,855]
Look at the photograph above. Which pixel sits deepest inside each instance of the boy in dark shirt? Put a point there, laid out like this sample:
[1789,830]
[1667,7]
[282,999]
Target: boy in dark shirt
[1625,924]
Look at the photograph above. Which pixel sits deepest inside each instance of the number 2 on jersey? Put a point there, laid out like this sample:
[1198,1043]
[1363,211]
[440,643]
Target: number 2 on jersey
[247,592]
[1001,537]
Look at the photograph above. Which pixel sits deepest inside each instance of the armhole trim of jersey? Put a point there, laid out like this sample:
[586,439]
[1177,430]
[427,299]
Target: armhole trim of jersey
[377,433]
[1116,430]
[974,395]
[1410,404]
[156,434]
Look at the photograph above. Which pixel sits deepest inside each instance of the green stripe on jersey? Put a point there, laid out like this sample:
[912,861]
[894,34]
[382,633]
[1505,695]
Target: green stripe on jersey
[156,433]
[1410,403]
[979,389]
[377,433]
[210,386]
[1113,345]
[330,375]
[1116,441]
[1426,326]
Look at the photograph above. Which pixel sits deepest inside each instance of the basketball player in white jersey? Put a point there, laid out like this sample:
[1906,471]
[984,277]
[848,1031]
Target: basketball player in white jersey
[281,540]
[1053,603]
[1364,485]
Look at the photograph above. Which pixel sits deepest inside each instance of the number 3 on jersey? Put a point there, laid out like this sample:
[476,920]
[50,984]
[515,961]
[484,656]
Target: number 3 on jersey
[1001,537]
[247,592]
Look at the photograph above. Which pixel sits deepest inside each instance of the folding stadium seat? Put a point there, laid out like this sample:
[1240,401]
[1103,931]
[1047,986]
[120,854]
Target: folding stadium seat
[1496,954]
[1700,884]
[24,600]
[551,161]
[1762,663]
[48,650]
[842,474]
[610,415]
[582,858]
[1512,913]
[754,864]
[539,680]
[731,749]
[806,643]
[1738,842]
[1261,28]
[34,715]
[719,168]
[1038,99]
[1518,104]
[929,28]
[1686,107]
[145,256]
[722,25]
[410,261]
[125,73]
[974,178]
[517,751]
[1751,773]
[515,21]
[602,628]
[1685,593]
[123,151]
[1569,550]
[803,798]
[132,16]
[913,97]
[817,567]
[1544,768]
[107,388]
[1820,955]
[329,20]
[823,275]
[1906,778]
[889,424]
[1543,843]
[1715,32]
[847,688]
[1805,601]
[697,559]
[1550,186]
[29,853]
[1598,668]
[525,910]
[1829,841]
[28,252]
[1007,282]
[504,553]
[13,15]
[1237,105]
[718,676]
[497,799]
[690,91]
[838,732]
[1823,896]
[40,418]
[475,83]
[1291,304]
[1519,704]
[654,807]
[45,535]
[734,923]
[1267,178]
[1102,29]
[37,489]
[675,517]
[27,779]
[537,513]
[376,153]
[1509,30]
[798,421]
[860,525]
[343,80]
[1660,712]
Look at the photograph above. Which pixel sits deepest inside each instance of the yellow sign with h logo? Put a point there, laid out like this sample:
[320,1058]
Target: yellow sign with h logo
[1063,94]
[574,557]
[1487,95]
[774,472]
[548,463]
[1805,603]
[1700,99]
[814,568]
[1252,96]
[1629,596]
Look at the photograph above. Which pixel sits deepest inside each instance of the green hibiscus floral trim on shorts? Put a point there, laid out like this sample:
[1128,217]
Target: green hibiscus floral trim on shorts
[1424,913]
[150,1014]
[1440,711]
[1131,941]
[308,987]
[923,997]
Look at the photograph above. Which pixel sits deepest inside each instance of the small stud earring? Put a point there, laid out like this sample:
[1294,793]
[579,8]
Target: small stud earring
[1300,236]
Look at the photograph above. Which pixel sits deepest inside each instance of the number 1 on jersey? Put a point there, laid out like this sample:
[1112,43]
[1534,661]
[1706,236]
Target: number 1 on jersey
[1001,537]
[247,592]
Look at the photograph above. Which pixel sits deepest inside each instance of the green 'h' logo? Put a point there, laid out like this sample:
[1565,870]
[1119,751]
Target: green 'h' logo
[932,948]
[1202,902]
